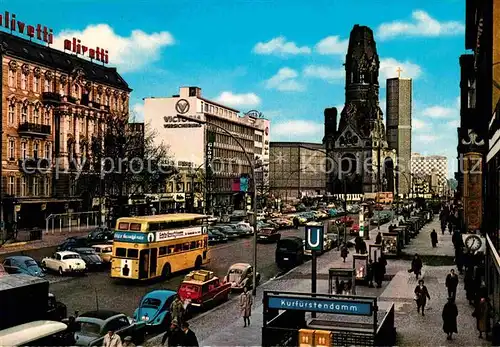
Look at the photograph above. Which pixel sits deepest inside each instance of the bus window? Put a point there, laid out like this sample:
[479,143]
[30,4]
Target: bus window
[171,249]
[135,226]
[121,252]
[162,251]
[198,244]
[193,245]
[178,248]
[185,247]
[123,226]
[133,253]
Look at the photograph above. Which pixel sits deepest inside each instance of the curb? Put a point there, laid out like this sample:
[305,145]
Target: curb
[14,244]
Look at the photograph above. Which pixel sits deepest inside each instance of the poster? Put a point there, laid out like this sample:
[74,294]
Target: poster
[125,268]
[341,282]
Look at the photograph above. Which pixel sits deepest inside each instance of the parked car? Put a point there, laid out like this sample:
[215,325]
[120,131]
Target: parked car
[100,235]
[353,209]
[235,229]
[73,242]
[228,231]
[202,289]
[347,220]
[93,325]
[283,223]
[289,252]
[354,231]
[246,229]
[91,258]
[154,309]
[240,275]
[268,235]
[21,264]
[215,236]
[300,208]
[64,262]
[105,252]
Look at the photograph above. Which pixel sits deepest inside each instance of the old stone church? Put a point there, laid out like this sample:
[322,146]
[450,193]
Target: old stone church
[358,145]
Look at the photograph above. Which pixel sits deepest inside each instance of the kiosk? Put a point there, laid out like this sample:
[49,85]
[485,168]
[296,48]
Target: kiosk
[375,251]
[391,244]
[360,264]
[341,281]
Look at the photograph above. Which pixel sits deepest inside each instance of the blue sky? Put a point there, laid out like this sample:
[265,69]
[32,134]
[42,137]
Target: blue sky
[283,58]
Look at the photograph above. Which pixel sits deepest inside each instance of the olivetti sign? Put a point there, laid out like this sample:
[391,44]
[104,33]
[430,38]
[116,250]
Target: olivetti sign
[176,122]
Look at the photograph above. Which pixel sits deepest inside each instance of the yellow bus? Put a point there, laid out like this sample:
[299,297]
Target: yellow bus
[152,246]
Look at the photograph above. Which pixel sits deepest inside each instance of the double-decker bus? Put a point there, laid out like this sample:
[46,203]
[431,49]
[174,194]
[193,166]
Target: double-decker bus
[152,246]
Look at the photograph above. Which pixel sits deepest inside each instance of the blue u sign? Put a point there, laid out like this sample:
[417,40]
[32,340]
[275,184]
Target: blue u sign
[314,238]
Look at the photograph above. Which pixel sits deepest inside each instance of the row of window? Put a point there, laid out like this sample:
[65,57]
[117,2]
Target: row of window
[233,127]
[28,186]
[166,250]
[29,149]
[217,110]
[38,115]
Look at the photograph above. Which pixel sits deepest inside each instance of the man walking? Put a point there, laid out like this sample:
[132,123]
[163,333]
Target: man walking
[449,315]
[452,284]
[177,310]
[434,238]
[246,301]
[189,339]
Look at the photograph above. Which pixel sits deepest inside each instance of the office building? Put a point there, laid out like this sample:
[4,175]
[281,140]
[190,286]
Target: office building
[194,147]
[297,169]
[398,125]
[431,168]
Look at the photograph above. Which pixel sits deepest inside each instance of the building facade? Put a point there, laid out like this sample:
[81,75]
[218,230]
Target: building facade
[361,158]
[209,160]
[398,124]
[430,168]
[53,105]
[297,170]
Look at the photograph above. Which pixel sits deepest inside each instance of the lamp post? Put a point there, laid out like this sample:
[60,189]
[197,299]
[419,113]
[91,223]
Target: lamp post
[254,203]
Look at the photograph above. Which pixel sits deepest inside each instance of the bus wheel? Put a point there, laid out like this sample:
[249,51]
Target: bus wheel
[197,263]
[165,273]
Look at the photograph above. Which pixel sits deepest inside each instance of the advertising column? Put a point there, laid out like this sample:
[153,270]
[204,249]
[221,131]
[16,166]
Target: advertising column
[209,179]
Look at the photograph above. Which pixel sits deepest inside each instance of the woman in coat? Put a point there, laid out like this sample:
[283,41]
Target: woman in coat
[344,251]
[246,301]
[483,316]
[416,266]
[421,296]
[450,313]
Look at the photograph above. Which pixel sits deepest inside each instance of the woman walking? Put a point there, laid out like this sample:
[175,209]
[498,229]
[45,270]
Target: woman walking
[421,296]
[450,313]
[246,301]
[416,266]
[483,315]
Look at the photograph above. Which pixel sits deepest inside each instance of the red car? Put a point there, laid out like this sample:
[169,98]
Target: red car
[347,220]
[201,289]
[354,229]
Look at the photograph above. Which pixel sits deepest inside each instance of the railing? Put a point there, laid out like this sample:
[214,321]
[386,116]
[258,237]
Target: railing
[35,128]
[71,221]
[51,97]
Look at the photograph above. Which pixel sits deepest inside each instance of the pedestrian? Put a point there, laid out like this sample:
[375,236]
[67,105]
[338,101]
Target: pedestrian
[443,227]
[344,251]
[416,266]
[357,244]
[296,222]
[177,310]
[246,301]
[482,313]
[112,340]
[378,239]
[189,339]
[383,263]
[363,247]
[176,335]
[369,273]
[378,273]
[469,285]
[450,227]
[127,342]
[434,238]
[452,284]
[421,296]
[449,315]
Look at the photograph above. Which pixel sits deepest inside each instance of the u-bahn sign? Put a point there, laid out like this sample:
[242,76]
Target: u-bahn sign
[314,238]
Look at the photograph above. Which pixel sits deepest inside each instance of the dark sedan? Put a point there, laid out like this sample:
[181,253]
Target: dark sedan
[268,235]
[91,258]
[228,231]
[100,235]
[73,242]
[215,236]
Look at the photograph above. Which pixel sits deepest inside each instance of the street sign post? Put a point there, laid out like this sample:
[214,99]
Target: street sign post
[314,242]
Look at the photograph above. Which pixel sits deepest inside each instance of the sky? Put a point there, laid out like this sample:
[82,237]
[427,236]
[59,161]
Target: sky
[283,58]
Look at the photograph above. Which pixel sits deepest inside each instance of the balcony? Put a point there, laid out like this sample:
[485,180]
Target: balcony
[32,165]
[51,98]
[34,129]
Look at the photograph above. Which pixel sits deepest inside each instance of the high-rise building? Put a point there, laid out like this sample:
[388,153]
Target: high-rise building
[432,169]
[398,124]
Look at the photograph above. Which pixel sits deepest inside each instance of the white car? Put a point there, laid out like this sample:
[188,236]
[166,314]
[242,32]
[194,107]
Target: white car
[64,262]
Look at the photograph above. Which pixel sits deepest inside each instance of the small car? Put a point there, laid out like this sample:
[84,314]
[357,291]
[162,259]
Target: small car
[235,229]
[268,235]
[73,242]
[64,262]
[283,223]
[21,264]
[240,275]
[246,229]
[348,221]
[228,231]
[91,258]
[289,252]
[154,309]
[100,235]
[202,289]
[354,229]
[105,252]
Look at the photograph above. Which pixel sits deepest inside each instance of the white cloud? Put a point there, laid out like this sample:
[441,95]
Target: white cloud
[439,112]
[137,113]
[425,138]
[285,81]
[418,124]
[236,100]
[297,130]
[128,53]
[332,45]
[272,113]
[421,25]
[453,123]
[324,72]
[280,46]
[389,69]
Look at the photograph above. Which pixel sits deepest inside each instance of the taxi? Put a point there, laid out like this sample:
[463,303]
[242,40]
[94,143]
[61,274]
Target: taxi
[201,289]
[105,251]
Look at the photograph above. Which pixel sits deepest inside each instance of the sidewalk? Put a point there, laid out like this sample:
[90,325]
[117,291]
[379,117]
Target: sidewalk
[421,244]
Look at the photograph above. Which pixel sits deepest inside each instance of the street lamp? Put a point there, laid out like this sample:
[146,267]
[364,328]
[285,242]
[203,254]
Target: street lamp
[254,203]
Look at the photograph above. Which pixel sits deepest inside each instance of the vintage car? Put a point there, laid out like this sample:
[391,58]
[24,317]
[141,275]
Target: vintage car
[283,223]
[92,326]
[354,229]
[268,235]
[64,262]
[202,289]
[105,252]
[73,242]
[154,309]
[215,236]
[100,235]
[21,264]
[246,229]
[90,257]
[240,275]
[347,220]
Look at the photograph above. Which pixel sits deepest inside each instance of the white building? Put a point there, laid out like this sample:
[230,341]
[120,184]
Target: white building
[188,143]
[434,168]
